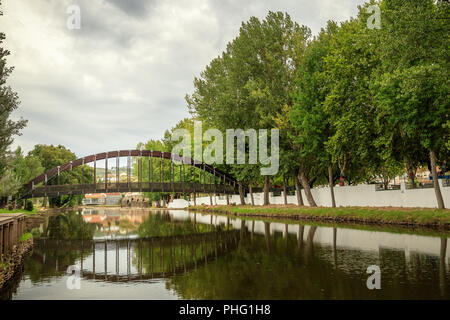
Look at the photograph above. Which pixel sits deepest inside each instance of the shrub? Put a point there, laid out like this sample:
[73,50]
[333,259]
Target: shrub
[29,205]
[25,237]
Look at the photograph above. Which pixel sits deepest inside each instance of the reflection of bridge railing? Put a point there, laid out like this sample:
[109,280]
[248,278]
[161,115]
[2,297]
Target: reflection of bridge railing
[151,258]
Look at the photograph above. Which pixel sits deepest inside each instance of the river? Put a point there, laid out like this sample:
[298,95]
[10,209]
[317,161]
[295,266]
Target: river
[175,254]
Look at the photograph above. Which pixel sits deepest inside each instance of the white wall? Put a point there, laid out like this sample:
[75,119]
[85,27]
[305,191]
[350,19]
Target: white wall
[360,195]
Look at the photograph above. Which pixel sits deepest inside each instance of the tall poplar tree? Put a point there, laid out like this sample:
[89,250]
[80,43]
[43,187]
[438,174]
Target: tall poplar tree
[248,86]
[9,101]
[413,88]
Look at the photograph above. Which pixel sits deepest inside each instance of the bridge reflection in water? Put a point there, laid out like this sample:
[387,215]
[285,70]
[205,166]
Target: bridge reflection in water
[125,260]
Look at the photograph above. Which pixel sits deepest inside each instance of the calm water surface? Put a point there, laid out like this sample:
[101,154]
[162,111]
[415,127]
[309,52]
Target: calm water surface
[137,254]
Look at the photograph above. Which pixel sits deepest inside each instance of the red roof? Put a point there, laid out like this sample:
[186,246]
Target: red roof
[95,195]
[101,195]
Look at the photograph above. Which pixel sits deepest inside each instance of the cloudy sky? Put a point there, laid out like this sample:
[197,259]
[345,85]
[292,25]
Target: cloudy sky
[123,76]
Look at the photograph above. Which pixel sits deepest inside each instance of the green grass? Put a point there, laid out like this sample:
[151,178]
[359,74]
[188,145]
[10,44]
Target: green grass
[25,237]
[399,216]
[19,211]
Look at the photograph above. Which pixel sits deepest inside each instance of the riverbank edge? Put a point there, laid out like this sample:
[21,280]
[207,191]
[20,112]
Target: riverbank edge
[411,218]
[12,263]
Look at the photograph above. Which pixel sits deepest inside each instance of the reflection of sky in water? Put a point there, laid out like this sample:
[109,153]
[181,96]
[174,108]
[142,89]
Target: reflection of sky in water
[56,289]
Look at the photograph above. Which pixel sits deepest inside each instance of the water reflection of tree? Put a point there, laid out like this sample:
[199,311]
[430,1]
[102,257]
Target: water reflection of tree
[258,269]
[45,263]
[442,255]
[69,226]
[162,224]
[272,267]
[127,226]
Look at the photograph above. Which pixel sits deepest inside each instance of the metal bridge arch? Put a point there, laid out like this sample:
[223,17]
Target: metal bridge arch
[222,184]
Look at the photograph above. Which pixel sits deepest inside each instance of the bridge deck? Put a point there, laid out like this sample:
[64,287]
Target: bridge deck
[175,187]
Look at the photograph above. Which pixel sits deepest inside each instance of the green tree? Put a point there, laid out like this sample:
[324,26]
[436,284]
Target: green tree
[26,168]
[310,126]
[349,104]
[412,88]
[52,156]
[250,83]
[154,145]
[197,176]
[9,183]
[9,101]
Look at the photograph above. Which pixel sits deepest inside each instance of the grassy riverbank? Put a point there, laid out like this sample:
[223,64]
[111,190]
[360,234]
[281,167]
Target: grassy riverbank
[393,216]
[35,211]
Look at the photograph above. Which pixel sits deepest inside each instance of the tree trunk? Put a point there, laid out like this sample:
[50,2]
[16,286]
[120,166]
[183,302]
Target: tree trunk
[309,248]
[342,168]
[210,199]
[44,202]
[331,184]
[335,246]
[195,200]
[284,191]
[253,230]
[267,235]
[266,191]
[301,229]
[242,231]
[305,185]
[228,199]
[241,194]
[299,191]
[251,194]
[311,233]
[437,189]
[443,252]
[411,175]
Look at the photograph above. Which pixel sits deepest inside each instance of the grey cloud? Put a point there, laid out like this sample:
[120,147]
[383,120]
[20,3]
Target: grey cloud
[122,78]
[134,8]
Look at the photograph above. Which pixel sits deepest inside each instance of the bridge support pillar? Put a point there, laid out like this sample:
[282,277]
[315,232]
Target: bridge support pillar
[106,172]
[95,172]
[117,170]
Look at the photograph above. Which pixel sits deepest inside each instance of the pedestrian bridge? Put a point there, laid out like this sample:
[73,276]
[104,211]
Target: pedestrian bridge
[165,172]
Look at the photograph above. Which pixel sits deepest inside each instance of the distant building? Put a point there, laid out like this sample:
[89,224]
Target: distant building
[133,199]
[102,199]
